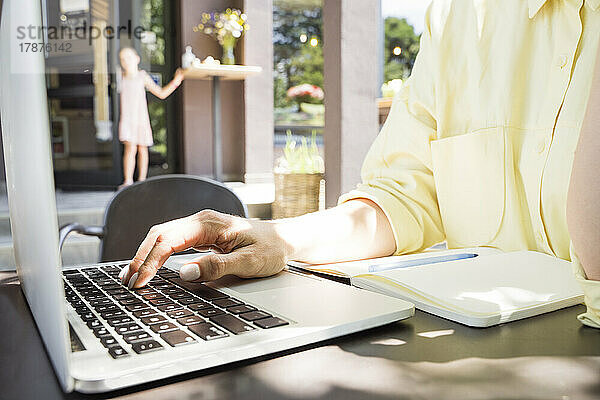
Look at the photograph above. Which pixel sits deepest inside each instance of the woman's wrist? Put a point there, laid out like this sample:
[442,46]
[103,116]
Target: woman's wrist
[287,230]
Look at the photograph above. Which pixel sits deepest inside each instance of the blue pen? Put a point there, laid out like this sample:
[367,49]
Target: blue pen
[420,261]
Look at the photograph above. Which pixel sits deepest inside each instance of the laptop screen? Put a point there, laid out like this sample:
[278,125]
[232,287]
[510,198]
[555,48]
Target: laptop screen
[30,182]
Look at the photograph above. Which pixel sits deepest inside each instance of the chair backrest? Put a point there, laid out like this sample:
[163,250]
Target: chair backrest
[135,209]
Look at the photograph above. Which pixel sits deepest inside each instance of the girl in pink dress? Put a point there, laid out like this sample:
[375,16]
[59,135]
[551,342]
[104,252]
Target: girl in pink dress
[134,126]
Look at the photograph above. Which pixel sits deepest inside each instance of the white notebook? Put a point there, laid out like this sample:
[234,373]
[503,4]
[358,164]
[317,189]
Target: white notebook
[483,290]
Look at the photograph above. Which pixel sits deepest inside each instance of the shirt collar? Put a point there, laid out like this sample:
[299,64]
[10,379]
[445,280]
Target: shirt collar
[536,5]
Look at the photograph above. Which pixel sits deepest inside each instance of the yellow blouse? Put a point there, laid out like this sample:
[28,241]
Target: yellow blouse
[478,147]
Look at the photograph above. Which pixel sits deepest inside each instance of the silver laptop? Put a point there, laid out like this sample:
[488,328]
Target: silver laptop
[102,337]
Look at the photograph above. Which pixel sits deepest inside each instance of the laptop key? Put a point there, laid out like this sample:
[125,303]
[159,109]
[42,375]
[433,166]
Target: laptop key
[78,303]
[97,296]
[117,352]
[88,316]
[232,324]
[177,338]
[271,322]
[255,315]
[199,306]
[193,319]
[117,312]
[82,310]
[123,329]
[200,289]
[126,302]
[179,313]
[94,323]
[161,301]
[161,286]
[145,312]
[208,331]
[123,296]
[241,309]
[119,320]
[178,295]
[210,312]
[163,327]
[189,300]
[101,302]
[117,290]
[145,290]
[153,319]
[105,308]
[166,273]
[101,332]
[175,290]
[146,347]
[136,307]
[170,307]
[109,341]
[70,272]
[224,303]
[153,295]
[136,336]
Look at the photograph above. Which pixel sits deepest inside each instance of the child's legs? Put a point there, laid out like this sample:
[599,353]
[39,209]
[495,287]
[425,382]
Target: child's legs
[142,152]
[129,161]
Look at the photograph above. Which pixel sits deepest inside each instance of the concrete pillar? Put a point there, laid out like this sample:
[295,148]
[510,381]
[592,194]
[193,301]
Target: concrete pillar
[351,77]
[258,91]
[196,100]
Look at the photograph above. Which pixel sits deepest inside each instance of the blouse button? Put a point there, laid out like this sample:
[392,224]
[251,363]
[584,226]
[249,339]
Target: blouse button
[541,145]
[562,61]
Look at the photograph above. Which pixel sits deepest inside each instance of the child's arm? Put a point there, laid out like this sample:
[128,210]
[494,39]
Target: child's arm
[583,204]
[163,92]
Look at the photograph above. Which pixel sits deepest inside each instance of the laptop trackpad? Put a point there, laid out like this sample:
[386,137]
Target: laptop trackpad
[281,280]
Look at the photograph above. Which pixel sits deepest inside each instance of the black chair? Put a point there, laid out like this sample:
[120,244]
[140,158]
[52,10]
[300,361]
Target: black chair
[135,209]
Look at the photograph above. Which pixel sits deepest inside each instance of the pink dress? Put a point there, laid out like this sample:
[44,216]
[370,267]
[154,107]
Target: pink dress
[134,126]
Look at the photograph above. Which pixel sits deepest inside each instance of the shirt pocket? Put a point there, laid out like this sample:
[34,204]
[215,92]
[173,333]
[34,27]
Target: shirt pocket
[470,182]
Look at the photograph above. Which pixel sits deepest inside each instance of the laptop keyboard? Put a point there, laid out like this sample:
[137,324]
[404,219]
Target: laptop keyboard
[166,312]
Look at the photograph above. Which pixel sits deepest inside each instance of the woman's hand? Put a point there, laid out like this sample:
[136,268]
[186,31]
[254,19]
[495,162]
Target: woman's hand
[354,230]
[243,247]
[178,77]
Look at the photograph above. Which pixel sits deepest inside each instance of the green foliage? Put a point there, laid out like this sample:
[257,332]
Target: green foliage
[399,33]
[307,66]
[158,121]
[295,62]
[152,19]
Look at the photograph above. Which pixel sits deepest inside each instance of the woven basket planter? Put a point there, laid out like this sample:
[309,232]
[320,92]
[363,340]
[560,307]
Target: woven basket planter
[296,194]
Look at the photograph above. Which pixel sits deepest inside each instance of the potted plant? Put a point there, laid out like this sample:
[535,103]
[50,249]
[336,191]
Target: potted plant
[298,175]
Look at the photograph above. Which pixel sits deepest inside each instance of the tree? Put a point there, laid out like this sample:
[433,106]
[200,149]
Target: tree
[399,34]
[295,62]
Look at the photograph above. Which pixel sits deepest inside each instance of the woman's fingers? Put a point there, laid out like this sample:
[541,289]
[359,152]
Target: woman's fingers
[160,252]
[140,255]
[175,236]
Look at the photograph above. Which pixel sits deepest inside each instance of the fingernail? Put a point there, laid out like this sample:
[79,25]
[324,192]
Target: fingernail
[132,281]
[190,272]
[123,272]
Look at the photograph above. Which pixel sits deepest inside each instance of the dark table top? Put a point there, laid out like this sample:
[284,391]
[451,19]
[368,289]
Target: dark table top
[551,356]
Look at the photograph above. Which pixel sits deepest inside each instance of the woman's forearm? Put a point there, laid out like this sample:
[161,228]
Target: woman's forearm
[354,230]
[583,204]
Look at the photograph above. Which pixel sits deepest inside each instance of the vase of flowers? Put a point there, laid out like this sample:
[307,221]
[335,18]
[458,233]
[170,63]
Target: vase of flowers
[225,27]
